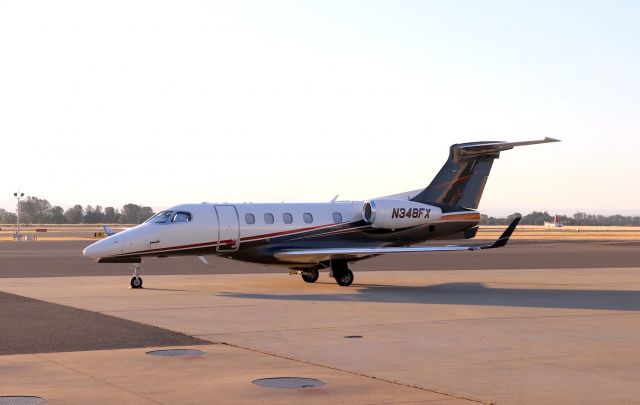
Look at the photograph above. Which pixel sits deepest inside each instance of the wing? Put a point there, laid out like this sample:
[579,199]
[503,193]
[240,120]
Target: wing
[318,255]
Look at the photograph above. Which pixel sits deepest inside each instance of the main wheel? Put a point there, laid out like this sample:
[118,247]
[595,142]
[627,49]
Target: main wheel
[310,276]
[344,278]
[136,282]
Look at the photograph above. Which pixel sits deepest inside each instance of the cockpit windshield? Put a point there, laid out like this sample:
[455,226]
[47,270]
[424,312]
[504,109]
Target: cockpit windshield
[160,217]
[181,217]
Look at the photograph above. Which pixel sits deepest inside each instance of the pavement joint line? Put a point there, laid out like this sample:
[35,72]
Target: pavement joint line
[630,313]
[111,297]
[547,284]
[43,357]
[328,367]
[419,322]
[115,311]
[524,359]
[419,401]
[569,270]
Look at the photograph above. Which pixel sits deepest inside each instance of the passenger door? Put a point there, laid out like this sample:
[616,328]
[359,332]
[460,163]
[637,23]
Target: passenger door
[228,228]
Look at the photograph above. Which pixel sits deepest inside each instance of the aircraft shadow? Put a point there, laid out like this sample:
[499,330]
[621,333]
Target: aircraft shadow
[471,294]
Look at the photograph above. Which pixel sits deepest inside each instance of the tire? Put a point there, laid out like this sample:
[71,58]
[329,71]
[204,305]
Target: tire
[344,278]
[136,282]
[310,276]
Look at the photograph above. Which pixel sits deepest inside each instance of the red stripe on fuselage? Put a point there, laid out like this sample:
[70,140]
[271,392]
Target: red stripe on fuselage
[270,235]
[222,242]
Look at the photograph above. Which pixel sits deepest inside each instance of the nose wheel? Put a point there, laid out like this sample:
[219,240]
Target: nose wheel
[310,276]
[136,280]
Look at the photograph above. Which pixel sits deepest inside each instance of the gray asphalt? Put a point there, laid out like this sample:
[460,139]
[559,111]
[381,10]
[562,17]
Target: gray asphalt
[64,259]
[33,326]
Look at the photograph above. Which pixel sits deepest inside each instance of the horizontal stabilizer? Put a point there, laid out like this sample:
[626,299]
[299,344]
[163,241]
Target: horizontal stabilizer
[486,148]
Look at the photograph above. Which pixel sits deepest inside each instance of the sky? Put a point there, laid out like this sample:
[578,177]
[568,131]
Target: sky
[160,103]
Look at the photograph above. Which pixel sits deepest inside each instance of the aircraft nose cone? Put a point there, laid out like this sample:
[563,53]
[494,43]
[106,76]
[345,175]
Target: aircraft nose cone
[94,251]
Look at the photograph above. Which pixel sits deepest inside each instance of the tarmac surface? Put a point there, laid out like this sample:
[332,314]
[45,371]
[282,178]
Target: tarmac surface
[540,323]
[64,259]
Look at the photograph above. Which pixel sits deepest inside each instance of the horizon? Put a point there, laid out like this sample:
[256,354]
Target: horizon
[157,209]
[300,101]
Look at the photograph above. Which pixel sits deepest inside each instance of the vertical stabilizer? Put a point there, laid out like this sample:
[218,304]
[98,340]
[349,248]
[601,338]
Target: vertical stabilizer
[461,180]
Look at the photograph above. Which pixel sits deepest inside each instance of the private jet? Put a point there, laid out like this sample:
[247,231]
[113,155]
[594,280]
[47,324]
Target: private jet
[309,237]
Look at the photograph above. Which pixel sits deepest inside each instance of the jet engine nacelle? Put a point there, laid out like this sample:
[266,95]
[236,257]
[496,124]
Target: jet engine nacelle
[397,214]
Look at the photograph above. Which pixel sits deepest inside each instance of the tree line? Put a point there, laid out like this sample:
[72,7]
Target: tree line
[34,210]
[577,219]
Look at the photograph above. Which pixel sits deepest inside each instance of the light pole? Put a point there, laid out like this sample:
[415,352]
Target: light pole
[18,195]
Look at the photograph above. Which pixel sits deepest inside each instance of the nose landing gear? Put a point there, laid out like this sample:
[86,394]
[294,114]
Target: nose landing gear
[311,275]
[136,281]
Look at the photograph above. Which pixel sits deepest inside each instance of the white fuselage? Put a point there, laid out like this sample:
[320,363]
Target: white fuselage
[225,226]
[203,229]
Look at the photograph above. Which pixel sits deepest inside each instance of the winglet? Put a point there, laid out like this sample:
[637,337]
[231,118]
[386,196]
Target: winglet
[107,230]
[504,238]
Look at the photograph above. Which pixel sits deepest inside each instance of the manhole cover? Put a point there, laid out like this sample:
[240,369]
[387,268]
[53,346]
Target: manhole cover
[353,337]
[288,382]
[174,352]
[22,400]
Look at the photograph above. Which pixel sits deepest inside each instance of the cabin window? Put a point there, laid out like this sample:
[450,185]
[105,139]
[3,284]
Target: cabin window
[307,217]
[160,217]
[249,218]
[287,218]
[337,217]
[268,218]
[181,217]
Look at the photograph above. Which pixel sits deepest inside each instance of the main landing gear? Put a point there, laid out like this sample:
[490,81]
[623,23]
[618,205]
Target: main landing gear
[136,280]
[341,272]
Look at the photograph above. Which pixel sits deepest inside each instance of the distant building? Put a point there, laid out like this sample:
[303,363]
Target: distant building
[555,224]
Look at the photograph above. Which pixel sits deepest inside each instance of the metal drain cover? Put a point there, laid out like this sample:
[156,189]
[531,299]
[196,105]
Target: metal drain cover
[288,382]
[174,352]
[22,400]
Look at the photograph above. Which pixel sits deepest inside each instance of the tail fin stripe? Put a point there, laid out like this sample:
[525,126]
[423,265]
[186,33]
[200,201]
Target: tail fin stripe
[452,182]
